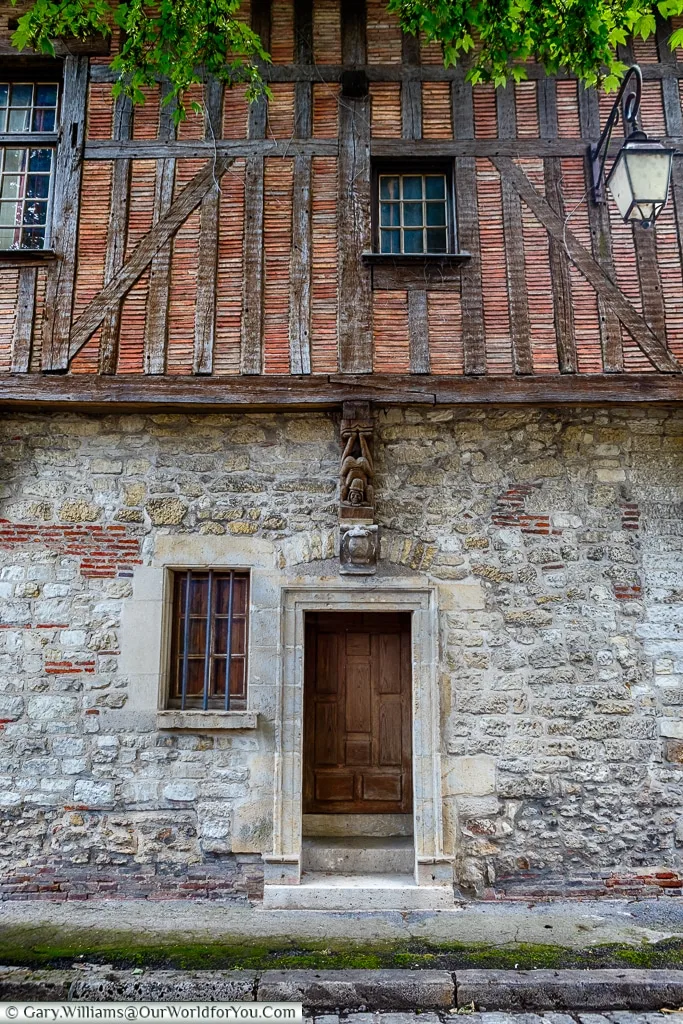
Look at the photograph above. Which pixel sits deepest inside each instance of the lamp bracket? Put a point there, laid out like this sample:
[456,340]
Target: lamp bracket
[626,106]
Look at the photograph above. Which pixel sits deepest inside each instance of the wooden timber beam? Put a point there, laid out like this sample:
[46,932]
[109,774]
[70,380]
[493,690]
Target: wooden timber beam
[399,73]
[90,391]
[644,337]
[110,296]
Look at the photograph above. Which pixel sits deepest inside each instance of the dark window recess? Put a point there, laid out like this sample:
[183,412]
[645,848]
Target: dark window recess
[209,640]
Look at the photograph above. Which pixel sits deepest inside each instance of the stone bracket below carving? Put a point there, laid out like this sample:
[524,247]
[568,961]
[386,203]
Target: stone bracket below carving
[358,548]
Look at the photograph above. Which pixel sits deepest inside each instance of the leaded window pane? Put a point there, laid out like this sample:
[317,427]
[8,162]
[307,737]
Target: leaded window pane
[415,209]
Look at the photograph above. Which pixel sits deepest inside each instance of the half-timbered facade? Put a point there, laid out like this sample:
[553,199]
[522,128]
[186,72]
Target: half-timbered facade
[342,481]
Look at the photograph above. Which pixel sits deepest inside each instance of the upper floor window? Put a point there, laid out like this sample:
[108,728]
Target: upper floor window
[26,171]
[209,640]
[414,214]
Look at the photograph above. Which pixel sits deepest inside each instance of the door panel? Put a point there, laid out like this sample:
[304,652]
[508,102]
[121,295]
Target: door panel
[357,700]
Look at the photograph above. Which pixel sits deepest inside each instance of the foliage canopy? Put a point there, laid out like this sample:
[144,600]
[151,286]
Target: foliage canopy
[185,40]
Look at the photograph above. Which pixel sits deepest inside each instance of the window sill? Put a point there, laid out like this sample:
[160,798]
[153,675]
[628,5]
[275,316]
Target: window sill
[26,257]
[405,259]
[207,721]
[404,272]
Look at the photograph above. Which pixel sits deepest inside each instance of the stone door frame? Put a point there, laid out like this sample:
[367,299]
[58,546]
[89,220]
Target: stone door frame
[432,866]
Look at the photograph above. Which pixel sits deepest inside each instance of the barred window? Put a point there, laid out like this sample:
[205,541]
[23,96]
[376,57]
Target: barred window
[413,213]
[209,640]
[26,171]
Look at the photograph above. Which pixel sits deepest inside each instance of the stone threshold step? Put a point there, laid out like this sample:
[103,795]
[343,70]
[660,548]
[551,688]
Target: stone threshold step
[358,855]
[331,891]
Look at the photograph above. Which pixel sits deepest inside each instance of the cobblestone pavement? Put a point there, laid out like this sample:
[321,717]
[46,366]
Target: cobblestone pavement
[578,1017]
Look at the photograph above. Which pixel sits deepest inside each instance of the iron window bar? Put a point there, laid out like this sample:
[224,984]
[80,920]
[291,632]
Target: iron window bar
[205,608]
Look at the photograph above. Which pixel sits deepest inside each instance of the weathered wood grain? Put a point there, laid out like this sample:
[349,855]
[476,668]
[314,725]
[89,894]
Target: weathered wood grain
[22,337]
[418,331]
[300,270]
[251,358]
[116,234]
[61,277]
[411,91]
[641,333]
[559,264]
[181,208]
[303,50]
[355,294]
[156,320]
[258,110]
[520,330]
[601,239]
[467,231]
[207,260]
[92,391]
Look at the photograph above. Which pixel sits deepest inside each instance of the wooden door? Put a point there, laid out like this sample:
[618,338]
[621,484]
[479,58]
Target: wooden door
[357,729]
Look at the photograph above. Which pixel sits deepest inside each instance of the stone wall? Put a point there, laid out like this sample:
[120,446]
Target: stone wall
[554,537]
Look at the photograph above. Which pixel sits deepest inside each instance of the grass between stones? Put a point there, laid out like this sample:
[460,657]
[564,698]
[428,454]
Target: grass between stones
[44,947]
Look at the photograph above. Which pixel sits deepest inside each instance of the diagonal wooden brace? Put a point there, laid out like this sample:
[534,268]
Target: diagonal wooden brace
[108,299]
[634,323]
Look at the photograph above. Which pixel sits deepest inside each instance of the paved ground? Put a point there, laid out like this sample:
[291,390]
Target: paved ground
[614,1017]
[569,923]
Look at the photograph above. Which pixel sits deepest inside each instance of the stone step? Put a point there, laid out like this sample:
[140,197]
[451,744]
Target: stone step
[327,891]
[344,825]
[357,855]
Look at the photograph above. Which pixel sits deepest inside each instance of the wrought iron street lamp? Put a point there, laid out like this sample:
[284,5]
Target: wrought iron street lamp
[640,176]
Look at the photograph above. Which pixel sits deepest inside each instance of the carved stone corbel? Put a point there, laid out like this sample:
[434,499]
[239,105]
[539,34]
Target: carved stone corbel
[358,547]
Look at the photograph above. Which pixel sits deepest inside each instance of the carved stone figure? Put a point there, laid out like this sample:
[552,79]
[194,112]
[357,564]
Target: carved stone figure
[357,470]
[358,549]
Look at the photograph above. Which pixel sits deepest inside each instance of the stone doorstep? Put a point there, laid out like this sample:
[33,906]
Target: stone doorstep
[590,990]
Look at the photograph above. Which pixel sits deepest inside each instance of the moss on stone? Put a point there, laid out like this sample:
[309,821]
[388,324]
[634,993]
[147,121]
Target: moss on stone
[59,948]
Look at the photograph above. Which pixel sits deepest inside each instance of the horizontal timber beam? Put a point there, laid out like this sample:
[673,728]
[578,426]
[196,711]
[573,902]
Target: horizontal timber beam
[91,391]
[395,72]
[533,148]
[153,149]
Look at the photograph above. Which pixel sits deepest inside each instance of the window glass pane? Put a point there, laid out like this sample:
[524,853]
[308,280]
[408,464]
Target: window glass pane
[19,120]
[15,159]
[197,636]
[6,238]
[199,591]
[38,186]
[218,677]
[35,212]
[436,240]
[390,241]
[435,186]
[21,95]
[4,93]
[412,214]
[195,676]
[8,213]
[239,598]
[412,187]
[44,120]
[32,238]
[390,215]
[237,687]
[412,241]
[3,119]
[388,188]
[40,160]
[11,186]
[436,214]
[46,95]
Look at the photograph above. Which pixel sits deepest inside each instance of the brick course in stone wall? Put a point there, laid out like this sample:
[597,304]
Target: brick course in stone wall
[555,538]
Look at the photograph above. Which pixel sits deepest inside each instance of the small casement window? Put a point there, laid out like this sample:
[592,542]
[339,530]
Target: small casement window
[414,215]
[27,110]
[209,640]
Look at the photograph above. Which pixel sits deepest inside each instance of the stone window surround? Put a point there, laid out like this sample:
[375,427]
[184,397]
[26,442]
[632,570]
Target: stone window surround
[432,865]
[146,654]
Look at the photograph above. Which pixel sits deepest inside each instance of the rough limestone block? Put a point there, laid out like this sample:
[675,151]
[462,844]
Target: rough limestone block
[155,986]
[569,990]
[377,990]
